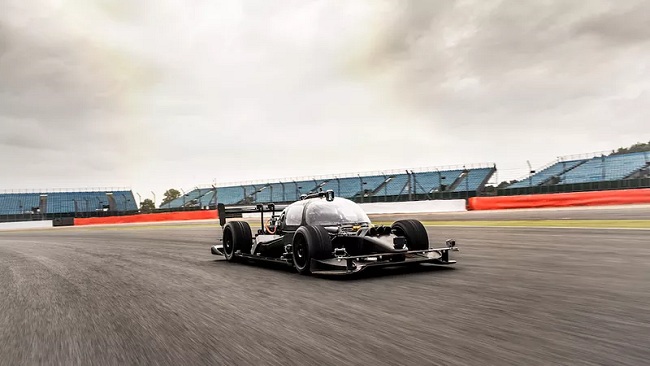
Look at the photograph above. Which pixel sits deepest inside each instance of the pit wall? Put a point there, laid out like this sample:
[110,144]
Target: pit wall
[596,198]
[25,225]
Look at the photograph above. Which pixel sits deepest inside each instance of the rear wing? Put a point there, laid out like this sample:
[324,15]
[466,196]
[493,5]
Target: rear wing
[235,211]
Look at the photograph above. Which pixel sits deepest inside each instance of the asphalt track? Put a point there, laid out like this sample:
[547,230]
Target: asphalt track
[155,295]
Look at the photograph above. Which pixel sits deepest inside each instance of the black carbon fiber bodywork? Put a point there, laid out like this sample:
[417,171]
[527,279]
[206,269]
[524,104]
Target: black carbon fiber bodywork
[352,246]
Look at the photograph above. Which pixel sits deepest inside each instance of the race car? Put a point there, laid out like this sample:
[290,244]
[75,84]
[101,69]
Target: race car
[323,234]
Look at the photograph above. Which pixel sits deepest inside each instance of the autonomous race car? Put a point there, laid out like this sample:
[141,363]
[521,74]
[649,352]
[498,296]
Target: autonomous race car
[323,234]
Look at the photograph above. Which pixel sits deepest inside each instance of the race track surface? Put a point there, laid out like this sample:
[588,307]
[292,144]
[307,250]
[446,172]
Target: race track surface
[155,295]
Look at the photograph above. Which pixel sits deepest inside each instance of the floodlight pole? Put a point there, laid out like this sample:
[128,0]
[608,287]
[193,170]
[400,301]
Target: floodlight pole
[214,196]
[531,172]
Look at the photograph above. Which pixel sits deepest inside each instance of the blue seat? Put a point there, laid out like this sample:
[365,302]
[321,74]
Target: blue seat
[474,179]
[605,168]
[396,185]
[66,202]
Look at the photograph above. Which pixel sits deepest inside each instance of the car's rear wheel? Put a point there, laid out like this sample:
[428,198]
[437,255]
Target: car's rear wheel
[237,236]
[310,242]
[414,232]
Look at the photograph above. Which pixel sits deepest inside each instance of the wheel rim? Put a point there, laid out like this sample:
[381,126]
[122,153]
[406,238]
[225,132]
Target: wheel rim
[300,252]
[399,231]
[228,244]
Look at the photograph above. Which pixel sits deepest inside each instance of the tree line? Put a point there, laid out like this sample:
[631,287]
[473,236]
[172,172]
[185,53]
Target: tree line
[638,147]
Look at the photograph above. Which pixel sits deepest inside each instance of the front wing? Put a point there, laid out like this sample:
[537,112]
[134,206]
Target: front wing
[345,265]
[353,264]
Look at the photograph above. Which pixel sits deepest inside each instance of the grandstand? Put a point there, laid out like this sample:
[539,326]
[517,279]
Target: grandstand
[373,187]
[590,169]
[588,172]
[63,203]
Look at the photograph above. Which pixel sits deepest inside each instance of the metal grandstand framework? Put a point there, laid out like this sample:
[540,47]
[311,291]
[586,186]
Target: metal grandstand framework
[584,156]
[563,158]
[537,170]
[66,190]
[348,175]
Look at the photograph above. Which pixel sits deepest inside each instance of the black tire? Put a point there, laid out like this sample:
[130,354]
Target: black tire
[414,232]
[310,242]
[237,235]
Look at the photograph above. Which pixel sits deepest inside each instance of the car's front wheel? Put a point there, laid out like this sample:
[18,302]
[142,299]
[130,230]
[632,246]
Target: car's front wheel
[414,232]
[237,236]
[310,242]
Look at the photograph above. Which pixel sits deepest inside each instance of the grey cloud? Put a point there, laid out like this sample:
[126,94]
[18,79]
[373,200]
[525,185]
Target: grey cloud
[63,97]
[625,24]
[48,78]
[180,93]
[531,54]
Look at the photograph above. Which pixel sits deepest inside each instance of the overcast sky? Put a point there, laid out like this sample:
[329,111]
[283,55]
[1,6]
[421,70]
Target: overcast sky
[159,93]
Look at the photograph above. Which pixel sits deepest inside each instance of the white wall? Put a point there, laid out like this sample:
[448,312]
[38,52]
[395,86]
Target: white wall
[26,225]
[401,207]
[414,207]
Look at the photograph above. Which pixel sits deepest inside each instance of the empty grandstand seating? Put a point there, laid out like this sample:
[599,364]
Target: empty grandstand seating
[354,187]
[397,185]
[190,199]
[604,168]
[67,202]
[596,169]
[371,183]
[428,182]
[264,194]
[18,203]
[344,187]
[377,186]
[277,192]
[207,199]
[230,195]
[547,173]
[474,179]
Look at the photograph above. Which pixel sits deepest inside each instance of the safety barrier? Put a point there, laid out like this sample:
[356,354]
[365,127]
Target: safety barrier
[20,225]
[153,217]
[597,198]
